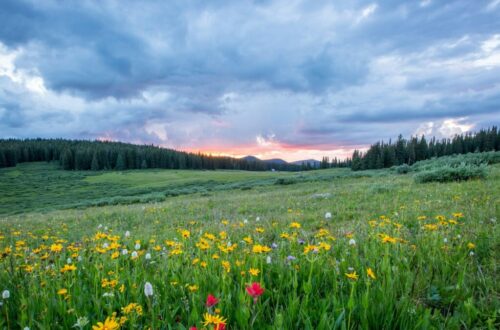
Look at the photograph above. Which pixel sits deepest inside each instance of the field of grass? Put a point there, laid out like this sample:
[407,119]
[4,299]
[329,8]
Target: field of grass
[394,254]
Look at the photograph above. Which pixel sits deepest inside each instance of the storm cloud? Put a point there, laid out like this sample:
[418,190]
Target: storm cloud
[274,78]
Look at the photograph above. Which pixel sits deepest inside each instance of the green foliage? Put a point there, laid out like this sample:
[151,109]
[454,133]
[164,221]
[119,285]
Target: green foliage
[103,155]
[430,277]
[384,155]
[403,169]
[452,173]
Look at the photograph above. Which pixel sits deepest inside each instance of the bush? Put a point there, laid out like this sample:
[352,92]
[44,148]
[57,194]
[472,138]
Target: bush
[449,173]
[286,181]
[403,169]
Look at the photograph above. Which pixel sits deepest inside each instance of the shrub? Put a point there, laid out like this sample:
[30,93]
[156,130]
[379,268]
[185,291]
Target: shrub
[403,169]
[449,173]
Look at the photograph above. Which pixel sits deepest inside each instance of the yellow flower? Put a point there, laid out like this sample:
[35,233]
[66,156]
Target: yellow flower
[248,239]
[193,288]
[62,292]
[68,268]
[295,225]
[227,266]
[259,229]
[370,273]
[56,248]
[115,255]
[111,323]
[257,248]
[471,245]
[458,215]
[213,319]
[309,248]
[254,271]
[352,276]
[285,235]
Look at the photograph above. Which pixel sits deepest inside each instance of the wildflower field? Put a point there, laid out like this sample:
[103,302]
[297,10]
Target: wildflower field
[373,252]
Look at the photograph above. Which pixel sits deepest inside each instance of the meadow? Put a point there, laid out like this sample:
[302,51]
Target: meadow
[329,249]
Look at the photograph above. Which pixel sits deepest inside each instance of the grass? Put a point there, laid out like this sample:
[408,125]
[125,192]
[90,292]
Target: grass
[432,248]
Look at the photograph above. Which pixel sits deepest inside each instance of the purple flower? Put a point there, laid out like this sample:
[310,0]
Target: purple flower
[290,258]
[274,245]
[301,241]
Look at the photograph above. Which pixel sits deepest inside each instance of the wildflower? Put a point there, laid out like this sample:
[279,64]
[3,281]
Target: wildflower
[134,255]
[147,256]
[260,248]
[371,273]
[185,234]
[127,234]
[268,260]
[290,258]
[295,225]
[471,245]
[56,248]
[115,255]
[211,301]
[274,245]
[81,322]
[5,294]
[352,276]
[111,323]
[68,268]
[193,288]
[62,292]
[124,252]
[254,271]
[137,246]
[255,290]
[148,289]
[352,241]
[216,320]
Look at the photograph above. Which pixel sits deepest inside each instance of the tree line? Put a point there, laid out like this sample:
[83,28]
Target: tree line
[403,151]
[105,155]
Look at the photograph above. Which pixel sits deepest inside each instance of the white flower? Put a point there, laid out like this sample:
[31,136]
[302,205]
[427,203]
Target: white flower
[268,259]
[148,289]
[245,221]
[26,328]
[106,228]
[80,258]
[445,240]
[100,226]
[137,246]
[6,294]
[127,234]
[328,215]
[459,236]
[471,253]
[124,252]
[352,241]
[105,245]
[147,256]
[257,219]
[69,261]
[134,254]
[108,294]
[81,322]
[350,269]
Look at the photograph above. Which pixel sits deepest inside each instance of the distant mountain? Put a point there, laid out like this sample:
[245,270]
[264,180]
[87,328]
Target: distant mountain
[268,161]
[312,162]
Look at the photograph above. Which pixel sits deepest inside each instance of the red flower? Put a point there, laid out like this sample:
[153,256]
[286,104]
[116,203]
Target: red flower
[220,326]
[193,328]
[255,291]
[211,301]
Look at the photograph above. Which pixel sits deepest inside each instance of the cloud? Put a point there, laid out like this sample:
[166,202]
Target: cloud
[299,77]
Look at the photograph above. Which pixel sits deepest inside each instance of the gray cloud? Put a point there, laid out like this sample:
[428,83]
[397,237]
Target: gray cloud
[196,74]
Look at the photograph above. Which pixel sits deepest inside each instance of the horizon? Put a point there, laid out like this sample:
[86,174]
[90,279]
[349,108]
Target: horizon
[295,80]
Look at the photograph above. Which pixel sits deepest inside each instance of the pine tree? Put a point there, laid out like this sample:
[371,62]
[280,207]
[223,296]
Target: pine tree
[120,163]
[95,163]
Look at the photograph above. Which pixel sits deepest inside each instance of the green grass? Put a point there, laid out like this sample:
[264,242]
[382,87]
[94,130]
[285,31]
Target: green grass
[430,277]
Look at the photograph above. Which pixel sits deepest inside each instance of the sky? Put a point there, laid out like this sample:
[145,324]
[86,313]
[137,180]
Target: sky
[276,79]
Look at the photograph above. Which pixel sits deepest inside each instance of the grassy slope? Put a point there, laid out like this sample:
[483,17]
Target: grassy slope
[352,200]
